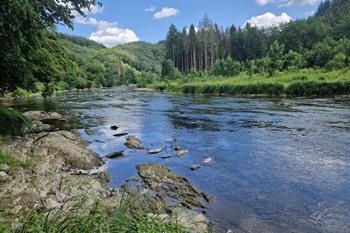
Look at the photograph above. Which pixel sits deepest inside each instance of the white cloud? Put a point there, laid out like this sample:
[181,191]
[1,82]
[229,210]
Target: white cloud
[95,9]
[287,2]
[108,33]
[269,20]
[150,9]
[165,13]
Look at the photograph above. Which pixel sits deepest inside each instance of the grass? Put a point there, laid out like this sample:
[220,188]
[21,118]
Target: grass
[12,162]
[12,122]
[306,82]
[98,219]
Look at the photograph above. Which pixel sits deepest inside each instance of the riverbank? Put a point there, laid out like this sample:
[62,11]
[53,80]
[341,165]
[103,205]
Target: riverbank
[299,83]
[49,170]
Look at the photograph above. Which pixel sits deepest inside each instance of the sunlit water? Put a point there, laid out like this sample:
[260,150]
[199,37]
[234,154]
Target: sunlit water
[279,165]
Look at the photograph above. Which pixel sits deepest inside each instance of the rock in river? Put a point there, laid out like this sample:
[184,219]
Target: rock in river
[120,134]
[195,167]
[181,152]
[114,127]
[116,154]
[133,142]
[160,188]
[167,194]
[155,151]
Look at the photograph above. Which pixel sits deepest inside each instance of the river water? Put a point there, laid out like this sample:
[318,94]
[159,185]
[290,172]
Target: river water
[278,165]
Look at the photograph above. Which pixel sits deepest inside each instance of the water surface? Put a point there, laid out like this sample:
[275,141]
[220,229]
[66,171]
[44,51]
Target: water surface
[279,165]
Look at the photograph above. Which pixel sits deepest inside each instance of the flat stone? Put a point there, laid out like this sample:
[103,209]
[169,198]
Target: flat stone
[120,134]
[181,152]
[208,160]
[116,154]
[155,151]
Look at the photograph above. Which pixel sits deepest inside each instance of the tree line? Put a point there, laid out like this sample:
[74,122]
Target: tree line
[320,41]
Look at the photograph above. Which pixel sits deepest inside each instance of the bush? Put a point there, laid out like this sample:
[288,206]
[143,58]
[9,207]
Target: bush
[19,92]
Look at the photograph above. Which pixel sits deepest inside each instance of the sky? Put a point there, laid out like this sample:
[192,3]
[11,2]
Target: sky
[123,21]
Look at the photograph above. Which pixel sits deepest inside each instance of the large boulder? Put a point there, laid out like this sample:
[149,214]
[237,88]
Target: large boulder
[164,193]
[163,188]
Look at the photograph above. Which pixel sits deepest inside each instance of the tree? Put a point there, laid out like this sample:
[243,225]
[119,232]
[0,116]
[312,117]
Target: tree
[168,69]
[275,56]
[23,24]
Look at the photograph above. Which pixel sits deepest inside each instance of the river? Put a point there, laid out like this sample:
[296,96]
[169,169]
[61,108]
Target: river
[278,164]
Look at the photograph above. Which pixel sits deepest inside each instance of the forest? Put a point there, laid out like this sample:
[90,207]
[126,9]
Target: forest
[320,41]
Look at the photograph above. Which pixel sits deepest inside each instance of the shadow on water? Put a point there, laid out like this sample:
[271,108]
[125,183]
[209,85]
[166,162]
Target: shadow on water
[278,165]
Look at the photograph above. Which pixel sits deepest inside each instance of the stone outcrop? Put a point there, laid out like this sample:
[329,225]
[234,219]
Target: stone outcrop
[49,180]
[43,116]
[167,194]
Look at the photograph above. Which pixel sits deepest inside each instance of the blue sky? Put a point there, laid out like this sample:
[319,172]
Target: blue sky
[122,21]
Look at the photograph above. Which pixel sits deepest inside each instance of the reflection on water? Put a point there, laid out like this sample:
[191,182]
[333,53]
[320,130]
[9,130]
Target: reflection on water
[279,165]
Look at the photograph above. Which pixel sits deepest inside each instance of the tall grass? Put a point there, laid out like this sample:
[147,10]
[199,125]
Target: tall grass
[301,83]
[99,219]
[12,122]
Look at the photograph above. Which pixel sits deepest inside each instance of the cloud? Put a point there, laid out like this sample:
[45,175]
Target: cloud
[269,20]
[95,9]
[108,33]
[165,13]
[287,2]
[150,9]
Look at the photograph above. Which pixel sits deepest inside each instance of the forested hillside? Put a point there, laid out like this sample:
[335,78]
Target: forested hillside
[123,64]
[36,59]
[320,41]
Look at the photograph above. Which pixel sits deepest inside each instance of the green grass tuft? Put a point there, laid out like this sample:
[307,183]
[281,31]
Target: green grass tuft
[12,122]
[122,219]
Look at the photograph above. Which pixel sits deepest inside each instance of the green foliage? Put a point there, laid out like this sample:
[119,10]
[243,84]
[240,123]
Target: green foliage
[226,67]
[168,69]
[122,219]
[301,83]
[12,122]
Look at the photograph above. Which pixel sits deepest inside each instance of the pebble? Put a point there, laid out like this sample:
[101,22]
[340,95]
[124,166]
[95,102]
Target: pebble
[4,168]
[4,177]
